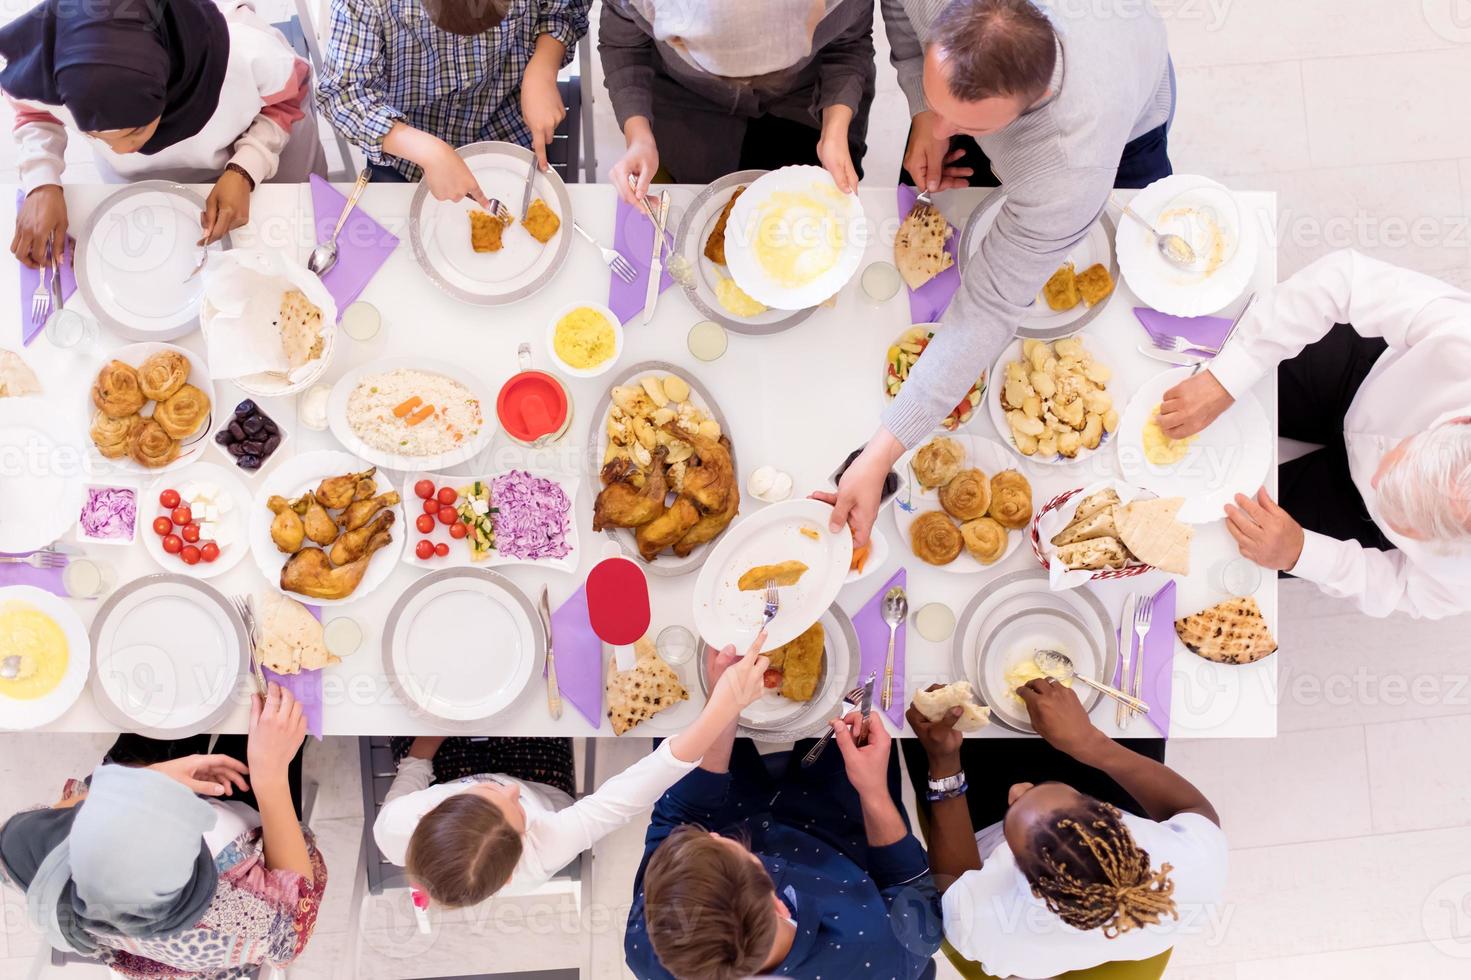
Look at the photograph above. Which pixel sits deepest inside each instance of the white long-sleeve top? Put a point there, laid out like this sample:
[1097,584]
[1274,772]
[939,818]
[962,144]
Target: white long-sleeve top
[264,94]
[1421,381]
[557,828]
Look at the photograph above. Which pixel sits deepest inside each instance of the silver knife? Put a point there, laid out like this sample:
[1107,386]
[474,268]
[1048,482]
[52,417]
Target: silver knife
[865,706]
[1126,624]
[56,280]
[530,186]
[554,694]
[656,267]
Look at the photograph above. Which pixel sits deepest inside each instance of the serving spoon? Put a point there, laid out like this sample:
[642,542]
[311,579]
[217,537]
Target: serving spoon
[324,256]
[895,609]
[10,667]
[1174,249]
[1060,666]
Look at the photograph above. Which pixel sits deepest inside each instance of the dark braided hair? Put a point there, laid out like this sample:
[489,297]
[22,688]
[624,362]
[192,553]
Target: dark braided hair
[1086,866]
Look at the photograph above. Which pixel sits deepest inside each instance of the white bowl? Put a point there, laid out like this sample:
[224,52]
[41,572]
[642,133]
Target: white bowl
[592,372]
[84,538]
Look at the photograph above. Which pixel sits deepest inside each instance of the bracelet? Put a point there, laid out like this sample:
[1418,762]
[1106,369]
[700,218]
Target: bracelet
[236,168]
[936,796]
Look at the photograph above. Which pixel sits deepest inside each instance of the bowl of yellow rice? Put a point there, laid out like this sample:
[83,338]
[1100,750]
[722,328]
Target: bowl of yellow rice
[584,339]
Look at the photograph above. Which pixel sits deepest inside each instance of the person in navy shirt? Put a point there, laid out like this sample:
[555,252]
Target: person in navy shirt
[811,874]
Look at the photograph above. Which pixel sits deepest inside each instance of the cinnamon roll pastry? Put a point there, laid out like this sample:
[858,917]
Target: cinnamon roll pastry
[117,390]
[151,446]
[984,539]
[935,539]
[1011,499]
[181,414]
[163,374]
[967,495]
[110,435]
[937,462]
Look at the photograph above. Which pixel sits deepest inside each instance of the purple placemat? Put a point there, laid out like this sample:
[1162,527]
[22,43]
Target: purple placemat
[29,278]
[633,237]
[362,246]
[1156,684]
[929,302]
[46,579]
[579,655]
[305,686]
[1209,331]
[873,641]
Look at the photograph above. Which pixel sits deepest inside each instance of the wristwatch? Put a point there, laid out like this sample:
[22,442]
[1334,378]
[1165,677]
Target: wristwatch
[947,787]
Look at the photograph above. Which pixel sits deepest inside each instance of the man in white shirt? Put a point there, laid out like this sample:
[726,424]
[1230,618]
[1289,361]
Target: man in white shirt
[1374,363]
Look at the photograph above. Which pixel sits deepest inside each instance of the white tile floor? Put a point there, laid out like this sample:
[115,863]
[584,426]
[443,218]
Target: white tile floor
[1351,831]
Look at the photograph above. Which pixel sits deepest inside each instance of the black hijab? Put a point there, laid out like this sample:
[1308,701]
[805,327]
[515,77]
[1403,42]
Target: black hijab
[116,64]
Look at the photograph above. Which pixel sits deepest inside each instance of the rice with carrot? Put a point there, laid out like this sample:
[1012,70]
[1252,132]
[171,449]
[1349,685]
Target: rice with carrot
[413,413]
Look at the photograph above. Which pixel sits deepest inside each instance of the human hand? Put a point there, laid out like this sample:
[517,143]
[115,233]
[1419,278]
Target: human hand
[640,161]
[1192,405]
[860,491]
[40,221]
[277,729]
[226,208]
[1058,717]
[929,159]
[1265,532]
[833,150]
[736,681]
[867,764]
[206,775]
[542,108]
[940,739]
[448,177]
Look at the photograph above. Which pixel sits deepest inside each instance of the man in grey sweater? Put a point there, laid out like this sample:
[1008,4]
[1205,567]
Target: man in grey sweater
[1061,104]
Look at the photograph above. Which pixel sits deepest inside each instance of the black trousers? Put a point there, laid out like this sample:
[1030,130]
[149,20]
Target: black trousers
[1145,159]
[138,750]
[993,766]
[1314,391]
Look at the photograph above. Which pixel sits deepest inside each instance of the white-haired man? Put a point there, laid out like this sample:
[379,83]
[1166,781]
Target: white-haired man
[1373,363]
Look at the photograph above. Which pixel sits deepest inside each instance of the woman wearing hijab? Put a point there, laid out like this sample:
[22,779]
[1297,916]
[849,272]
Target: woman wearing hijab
[141,873]
[196,91]
[702,89]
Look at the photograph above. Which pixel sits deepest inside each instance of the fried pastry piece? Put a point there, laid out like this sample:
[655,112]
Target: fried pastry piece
[1094,284]
[984,539]
[110,435]
[934,538]
[287,531]
[183,412]
[353,545]
[485,232]
[360,512]
[800,663]
[715,244]
[967,496]
[621,504]
[336,492]
[151,446]
[666,529]
[309,573]
[938,461]
[162,374]
[1011,500]
[320,527]
[541,221]
[1061,291]
[782,573]
[117,390]
[709,483]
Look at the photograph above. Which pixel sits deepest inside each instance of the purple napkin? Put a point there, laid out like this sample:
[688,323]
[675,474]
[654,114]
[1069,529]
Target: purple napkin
[579,654]
[1209,331]
[30,278]
[633,237]
[873,642]
[305,686]
[929,302]
[1156,684]
[362,246]
[47,579]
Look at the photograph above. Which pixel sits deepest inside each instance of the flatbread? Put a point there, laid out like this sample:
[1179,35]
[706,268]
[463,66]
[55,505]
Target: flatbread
[919,247]
[300,323]
[1094,555]
[16,378]
[1099,524]
[290,637]
[1231,632]
[1149,530]
[934,705]
[800,663]
[636,695]
[1095,502]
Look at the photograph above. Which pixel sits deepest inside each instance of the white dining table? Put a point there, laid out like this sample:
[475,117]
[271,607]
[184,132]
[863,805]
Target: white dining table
[798,400]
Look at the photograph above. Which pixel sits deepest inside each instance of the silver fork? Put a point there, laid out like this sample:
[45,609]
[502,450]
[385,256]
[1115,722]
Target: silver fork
[851,700]
[773,602]
[246,609]
[1143,616]
[922,201]
[37,559]
[1177,345]
[621,267]
[41,298]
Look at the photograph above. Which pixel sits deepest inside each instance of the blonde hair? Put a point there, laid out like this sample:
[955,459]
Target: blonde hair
[1428,489]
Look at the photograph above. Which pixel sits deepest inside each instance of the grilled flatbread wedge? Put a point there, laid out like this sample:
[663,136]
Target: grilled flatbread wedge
[1099,524]
[919,247]
[1149,530]
[1094,555]
[16,378]
[1231,632]
[636,695]
[1095,502]
[935,704]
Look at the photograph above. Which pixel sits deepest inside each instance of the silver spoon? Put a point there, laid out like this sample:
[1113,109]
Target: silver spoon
[10,667]
[1060,666]
[1175,250]
[895,611]
[324,256]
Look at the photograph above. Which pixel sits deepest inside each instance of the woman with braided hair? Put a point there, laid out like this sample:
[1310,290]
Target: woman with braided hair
[1064,880]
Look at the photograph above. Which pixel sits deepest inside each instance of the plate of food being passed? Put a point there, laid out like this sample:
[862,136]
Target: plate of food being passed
[966,505]
[483,258]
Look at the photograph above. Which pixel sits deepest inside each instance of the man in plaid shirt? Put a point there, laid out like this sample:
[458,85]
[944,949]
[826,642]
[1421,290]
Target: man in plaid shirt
[408,81]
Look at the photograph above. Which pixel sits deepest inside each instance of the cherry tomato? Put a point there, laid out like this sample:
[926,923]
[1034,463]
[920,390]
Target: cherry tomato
[459,530]
[448,515]
[190,554]
[162,526]
[431,507]
[173,544]
[169,499]
[209,552]
[181,515]
[424,489]
[447,495]
[190,533]
[441,549]
[425,523]
[424,550]
[771,679]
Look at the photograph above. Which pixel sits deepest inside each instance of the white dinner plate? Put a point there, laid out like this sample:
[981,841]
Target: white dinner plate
[462,644]
[191,447]
[233,521]
[16,714]
[1042,321]
[291,479]
[1172,204]
[1232,455]
[724,614]
[996,383]
[439,231]
[843,219]
[134,260]
[169,653]
[342,427]
[1009,639]
[42,474]
[694,230]
[981,454]
[459,551]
